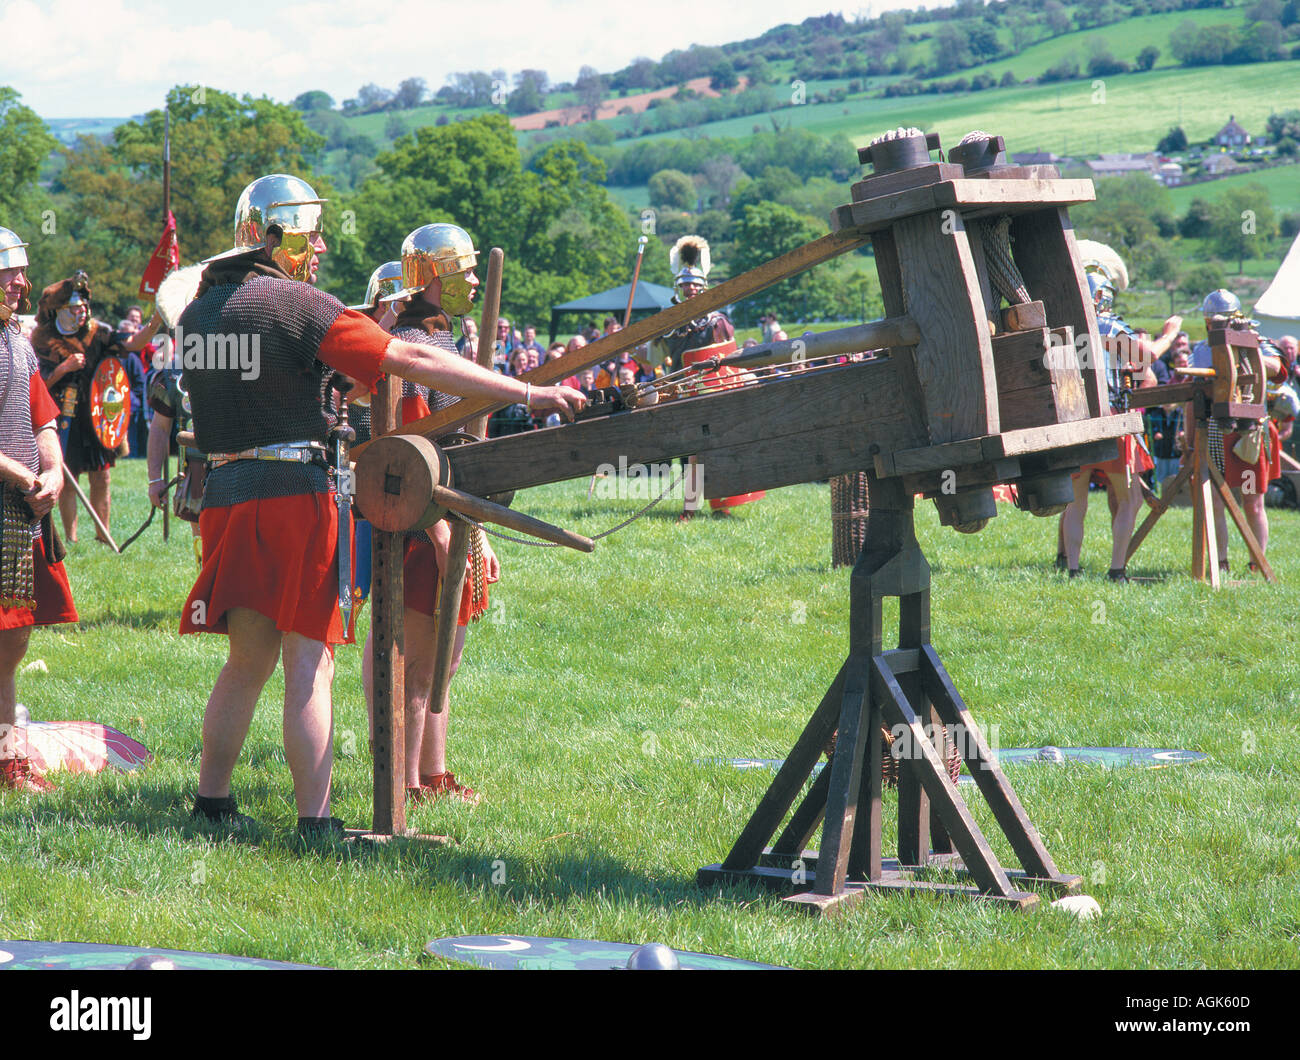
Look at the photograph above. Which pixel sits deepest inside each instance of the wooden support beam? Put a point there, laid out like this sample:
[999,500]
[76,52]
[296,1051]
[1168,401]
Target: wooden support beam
[388,743]
[608,347]
[975,852]
[989,778]
[789,780]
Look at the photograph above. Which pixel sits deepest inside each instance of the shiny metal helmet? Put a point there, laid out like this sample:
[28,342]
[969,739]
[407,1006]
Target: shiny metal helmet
[1103,290]
[13,251]
[1221,303]
[434,251]
[440,252]
[385,282]
[289,204]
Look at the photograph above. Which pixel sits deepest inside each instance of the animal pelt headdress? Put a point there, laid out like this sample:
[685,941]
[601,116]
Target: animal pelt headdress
[48,342]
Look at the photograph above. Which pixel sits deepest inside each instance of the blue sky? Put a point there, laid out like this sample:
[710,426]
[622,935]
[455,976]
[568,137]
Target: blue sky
[121,56]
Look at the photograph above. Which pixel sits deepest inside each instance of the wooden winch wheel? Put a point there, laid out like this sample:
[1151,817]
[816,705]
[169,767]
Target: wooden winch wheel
[396,476]
[1045,495]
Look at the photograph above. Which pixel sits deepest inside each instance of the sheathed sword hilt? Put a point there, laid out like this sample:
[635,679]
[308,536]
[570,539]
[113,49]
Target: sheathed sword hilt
[342,435]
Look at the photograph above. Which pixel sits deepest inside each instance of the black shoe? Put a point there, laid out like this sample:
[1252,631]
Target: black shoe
[1061,562]
[321,827]
[1223,566]
[1117,574]
[223,812]
[1074,572]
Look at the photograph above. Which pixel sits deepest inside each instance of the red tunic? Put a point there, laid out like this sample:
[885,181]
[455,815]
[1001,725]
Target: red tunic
[53,593]
[278,556]
[1267,468]
[421,577]
[725,378]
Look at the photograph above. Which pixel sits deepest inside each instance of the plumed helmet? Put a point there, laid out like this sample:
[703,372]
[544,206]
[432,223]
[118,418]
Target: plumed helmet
[13,251]
[1221,303]
[1106,273]
[385,281]
[286,203]
[690,262]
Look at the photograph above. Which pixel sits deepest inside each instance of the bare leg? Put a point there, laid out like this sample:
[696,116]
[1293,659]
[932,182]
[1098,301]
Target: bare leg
[309,722]
[254,651]
[1252,505]
[1127,496]
[433,749]
[13,646]
[1072,520]
[68,513]
[100,497]
[691,493]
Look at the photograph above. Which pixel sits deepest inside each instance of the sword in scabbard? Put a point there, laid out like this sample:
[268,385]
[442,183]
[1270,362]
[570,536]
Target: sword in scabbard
[345,487]
[67,410]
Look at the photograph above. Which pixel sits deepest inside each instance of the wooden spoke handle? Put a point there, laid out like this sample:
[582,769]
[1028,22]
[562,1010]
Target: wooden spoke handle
[487,512]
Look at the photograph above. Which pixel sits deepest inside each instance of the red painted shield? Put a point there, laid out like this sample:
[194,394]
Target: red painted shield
[110,403]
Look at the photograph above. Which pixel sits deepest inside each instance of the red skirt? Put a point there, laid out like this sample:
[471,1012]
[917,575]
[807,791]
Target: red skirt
[421,581]
[53,596]
[277,557]
[1267,468]
[726,378]
[1132,457]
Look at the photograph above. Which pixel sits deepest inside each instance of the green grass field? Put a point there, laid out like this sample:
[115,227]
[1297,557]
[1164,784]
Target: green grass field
[597,684]
[1132,113]
[1282,183]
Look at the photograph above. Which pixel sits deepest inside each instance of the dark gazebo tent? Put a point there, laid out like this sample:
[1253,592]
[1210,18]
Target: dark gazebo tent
[650,298]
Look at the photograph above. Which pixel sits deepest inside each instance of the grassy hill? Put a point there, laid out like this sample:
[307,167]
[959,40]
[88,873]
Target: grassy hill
[1132,114]
[1283,184]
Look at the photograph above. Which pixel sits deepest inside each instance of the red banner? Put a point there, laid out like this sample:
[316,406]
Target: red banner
[166,257]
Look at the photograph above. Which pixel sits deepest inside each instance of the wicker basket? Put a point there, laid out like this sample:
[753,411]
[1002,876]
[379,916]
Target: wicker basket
[850,507]
[889,765]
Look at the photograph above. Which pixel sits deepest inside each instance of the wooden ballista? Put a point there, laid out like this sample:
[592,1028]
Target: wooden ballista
[963,394]
[1234,393]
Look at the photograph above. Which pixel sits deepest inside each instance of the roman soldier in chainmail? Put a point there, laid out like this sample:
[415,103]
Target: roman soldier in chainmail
[1248,459]
[1128,361]
[437,270]
[33,586]
[711,335]
[70,343]
[259,346]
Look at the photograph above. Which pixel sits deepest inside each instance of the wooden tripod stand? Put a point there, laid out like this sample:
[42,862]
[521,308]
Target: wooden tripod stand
[1219,393]
[909,690]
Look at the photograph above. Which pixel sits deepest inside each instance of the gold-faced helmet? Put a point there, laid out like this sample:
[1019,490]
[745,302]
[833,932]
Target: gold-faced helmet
[440,252]
[283,202]
[385,282]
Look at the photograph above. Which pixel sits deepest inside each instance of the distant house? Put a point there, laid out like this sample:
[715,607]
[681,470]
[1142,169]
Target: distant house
[1037,158]
[1122,165]
[1170,174]
[1232,134]
[1218,165]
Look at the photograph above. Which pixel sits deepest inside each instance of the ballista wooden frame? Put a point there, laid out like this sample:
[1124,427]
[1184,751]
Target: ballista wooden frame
[966,394]
[1233,392]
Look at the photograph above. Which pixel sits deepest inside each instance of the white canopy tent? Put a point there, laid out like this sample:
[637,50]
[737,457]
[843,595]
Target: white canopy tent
[1278,308]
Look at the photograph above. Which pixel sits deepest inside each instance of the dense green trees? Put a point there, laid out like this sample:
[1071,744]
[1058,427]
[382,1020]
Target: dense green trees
[562,234]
